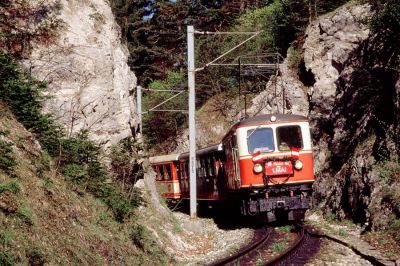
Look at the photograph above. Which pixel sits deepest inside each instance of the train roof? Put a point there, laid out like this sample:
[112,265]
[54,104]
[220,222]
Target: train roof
[199,152]
[267,118]
[164,158]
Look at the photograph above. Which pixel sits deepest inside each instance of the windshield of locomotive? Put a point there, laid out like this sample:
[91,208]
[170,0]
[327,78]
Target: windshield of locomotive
[288,137]
[260,139]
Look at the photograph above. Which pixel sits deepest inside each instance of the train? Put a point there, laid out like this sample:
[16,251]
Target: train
[263,166]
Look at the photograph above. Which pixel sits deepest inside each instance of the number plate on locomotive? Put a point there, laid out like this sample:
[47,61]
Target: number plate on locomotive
[278,168]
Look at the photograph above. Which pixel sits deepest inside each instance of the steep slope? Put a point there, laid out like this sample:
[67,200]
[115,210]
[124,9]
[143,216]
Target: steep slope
[43,221]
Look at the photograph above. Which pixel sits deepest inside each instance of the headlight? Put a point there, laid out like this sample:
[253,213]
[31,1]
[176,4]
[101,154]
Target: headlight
[298,164]
[257,168]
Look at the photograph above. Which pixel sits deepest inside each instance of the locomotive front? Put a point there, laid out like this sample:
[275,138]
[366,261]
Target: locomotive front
[270,165]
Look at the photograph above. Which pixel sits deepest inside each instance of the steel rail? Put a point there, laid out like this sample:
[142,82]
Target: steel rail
[289,250]
[245,251]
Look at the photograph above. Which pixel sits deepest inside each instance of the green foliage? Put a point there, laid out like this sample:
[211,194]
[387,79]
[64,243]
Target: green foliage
[36,256]
[6,237]
[42,17]
[389,171]
[126,161]
[8,259]
[23,95]
[170,122]
[75,172]
[295,58]
[285,228]
[43,164]
[25,214]
[145,240]
[11,186]
[278,246]
[7,160]
[387,20]
[330,217]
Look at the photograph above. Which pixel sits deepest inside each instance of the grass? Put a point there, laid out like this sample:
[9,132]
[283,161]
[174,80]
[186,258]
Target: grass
[11,186]
[278,247]
[6,237]
[285,228]
[25,214]
[8,259]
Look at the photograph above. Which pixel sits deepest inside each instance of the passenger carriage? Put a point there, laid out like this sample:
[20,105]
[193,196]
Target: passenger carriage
[209,163]
[167,179]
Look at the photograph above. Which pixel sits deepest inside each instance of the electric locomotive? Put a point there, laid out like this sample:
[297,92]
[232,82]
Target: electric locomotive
[269,166]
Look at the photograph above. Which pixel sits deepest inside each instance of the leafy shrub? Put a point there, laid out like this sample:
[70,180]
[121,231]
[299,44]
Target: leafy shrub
[278,246]
[77,157]
[6,238]
[25,214]
[389,171]
[36,256]
[7,160]
[75,172]
[126,161]
[8,259]
[170,122]
[23,95]
[11,186]
[145,240]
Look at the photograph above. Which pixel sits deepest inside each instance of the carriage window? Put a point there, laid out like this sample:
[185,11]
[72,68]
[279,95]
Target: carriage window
[161,172]
[187,169]
[288,137]
[260,139]
[211,165]
[168,174]
[158,176]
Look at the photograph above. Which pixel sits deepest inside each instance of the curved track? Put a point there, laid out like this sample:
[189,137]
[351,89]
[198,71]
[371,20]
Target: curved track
[263,236]
[297,252]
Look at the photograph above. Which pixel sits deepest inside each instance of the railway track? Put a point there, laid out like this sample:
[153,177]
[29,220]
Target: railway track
[299,250]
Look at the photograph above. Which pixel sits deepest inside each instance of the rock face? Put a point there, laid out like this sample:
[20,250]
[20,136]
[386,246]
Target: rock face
[348,84]
[90,84]
[285,86]
[354,113]
[329,44]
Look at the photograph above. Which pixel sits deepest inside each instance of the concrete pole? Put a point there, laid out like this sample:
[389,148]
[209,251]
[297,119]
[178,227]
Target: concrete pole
[192,122]
[139,106]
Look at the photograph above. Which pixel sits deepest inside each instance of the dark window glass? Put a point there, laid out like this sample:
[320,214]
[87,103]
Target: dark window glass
[288,137]
[260,139]
[161,171]
[187,169]
[168,173]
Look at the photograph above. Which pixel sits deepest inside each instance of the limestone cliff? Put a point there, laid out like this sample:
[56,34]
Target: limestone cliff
[348,85]
[90,84]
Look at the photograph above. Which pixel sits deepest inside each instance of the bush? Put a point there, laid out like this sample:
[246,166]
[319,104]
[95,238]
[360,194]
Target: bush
[11,186]
[36,256]
[25,214]
[77,157]
[23,95]
[7,160]
[8,259]
[145,240]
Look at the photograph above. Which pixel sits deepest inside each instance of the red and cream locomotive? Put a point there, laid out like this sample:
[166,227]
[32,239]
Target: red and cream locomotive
[264,164]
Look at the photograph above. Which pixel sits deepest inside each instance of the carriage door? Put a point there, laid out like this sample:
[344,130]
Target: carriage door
[235,157]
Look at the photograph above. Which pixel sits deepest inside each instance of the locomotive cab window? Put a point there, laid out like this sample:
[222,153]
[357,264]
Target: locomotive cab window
[260,139]
[288,137]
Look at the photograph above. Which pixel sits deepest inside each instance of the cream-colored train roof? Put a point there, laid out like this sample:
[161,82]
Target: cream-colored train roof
[164,158]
